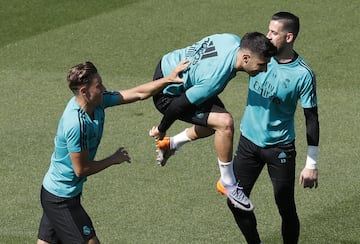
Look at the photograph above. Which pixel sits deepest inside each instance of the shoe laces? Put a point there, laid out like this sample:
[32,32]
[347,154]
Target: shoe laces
[237,192]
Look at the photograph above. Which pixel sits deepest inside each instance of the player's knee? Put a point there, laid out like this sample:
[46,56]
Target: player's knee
[221,122]
[226,122]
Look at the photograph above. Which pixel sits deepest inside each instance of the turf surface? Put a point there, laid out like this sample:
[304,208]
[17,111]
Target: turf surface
[142,203]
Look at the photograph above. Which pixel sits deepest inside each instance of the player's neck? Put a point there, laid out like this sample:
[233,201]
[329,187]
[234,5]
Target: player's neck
[85,106]
[286,56]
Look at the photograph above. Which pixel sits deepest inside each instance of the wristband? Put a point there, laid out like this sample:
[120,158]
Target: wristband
[312,157]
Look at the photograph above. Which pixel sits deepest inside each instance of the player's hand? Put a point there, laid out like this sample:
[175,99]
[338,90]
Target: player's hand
[174,75]
[309,178]
[121,155]
[154,132]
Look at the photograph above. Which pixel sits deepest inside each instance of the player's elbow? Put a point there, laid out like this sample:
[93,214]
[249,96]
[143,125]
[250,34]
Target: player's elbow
[80,172]
[143,96]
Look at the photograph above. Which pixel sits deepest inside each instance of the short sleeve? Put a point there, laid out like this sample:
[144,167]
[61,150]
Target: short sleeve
[308,95]
[73,135]
[111,98]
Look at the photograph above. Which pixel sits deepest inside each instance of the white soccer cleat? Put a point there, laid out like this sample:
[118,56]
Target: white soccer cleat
[236,195]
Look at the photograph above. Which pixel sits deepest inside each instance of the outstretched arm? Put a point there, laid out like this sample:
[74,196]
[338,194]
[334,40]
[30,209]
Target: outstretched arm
[309,175]
[149,89]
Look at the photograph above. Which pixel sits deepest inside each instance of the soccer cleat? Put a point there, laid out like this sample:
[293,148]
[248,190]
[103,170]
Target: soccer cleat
[163,150]
[236,195]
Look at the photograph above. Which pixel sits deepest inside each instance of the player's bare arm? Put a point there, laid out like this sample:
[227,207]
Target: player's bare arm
[148,89]
[84,167]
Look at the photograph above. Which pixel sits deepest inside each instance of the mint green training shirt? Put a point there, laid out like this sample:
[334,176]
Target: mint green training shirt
[272,100]
[76,132]
[213,61]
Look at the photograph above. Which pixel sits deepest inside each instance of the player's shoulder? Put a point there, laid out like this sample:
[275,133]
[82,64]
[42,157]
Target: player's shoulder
[72,116]
[303,65]
[303,71]
[231,37]
[224,37]
[225,40]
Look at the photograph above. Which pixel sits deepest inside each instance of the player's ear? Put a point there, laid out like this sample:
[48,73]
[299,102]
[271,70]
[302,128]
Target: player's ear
[82,91]
[290,37]
[246,57]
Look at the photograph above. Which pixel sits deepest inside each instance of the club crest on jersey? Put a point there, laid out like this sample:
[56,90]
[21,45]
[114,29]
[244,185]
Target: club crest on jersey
[86,230]
[199,115]
[282,156]
[286,83]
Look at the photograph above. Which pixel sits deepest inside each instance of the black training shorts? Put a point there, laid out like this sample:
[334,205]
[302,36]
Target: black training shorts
[197,115]
[64,220]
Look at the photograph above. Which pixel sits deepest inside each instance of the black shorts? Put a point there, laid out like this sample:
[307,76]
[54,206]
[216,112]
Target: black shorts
[198,115]
[250,159]
[64,220]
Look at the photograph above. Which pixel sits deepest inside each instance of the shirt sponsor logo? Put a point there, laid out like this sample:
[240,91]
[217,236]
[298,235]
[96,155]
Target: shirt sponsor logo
[206,50]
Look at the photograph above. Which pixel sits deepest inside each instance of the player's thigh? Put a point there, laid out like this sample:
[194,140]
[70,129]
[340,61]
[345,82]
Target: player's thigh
[220,120]
[281,161]
[162,101]
[209,114]
[281,169]
[47,232]
[68,218]
[205,114]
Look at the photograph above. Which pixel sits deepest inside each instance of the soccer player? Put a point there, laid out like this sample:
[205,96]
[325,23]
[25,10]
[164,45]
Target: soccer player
[78,136]
[268,134]
[214,61]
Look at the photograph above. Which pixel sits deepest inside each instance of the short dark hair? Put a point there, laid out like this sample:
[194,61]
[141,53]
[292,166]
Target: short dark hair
[290,21]
[80,74]
[258,43]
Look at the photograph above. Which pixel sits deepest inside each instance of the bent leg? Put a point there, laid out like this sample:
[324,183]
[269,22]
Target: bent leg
[247,168]
[246,222]
[223,125]
[197,132]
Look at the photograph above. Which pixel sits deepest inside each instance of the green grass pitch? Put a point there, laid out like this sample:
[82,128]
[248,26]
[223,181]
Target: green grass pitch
[141,202]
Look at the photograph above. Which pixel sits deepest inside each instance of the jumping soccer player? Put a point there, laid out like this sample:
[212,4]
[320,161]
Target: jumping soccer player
[214,61]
